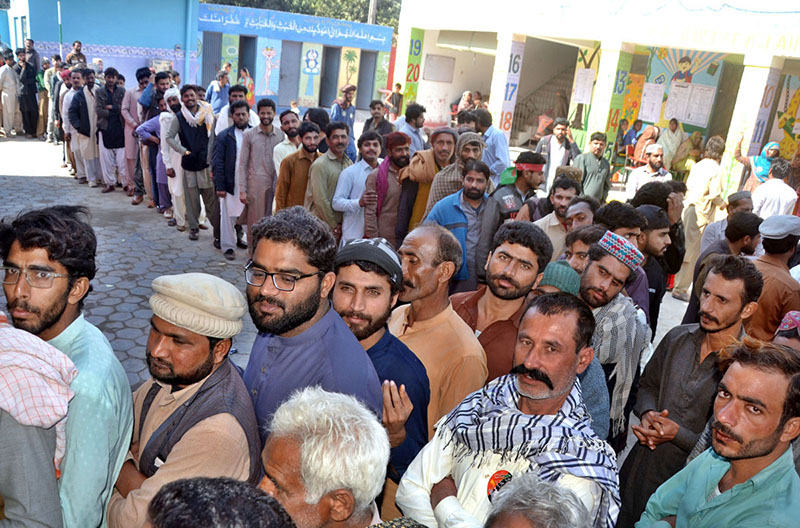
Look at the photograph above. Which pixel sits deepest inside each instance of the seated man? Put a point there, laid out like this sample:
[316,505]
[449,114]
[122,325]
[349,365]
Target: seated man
[532,420]
[529,502]
[215,503]
[325,460]
[748,477]
[194,418]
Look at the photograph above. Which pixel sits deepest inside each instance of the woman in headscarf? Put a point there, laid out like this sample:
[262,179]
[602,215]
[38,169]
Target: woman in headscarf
[649,136]
[757,165]
[671,139]
[466,102]
[688,153]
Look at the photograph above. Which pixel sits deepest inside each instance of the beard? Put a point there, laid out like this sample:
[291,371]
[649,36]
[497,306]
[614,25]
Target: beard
[291,319]
[175,108]
[154,364]
[308,149]
[473,194]
[753,449]
[291,133]
[586,294]
[561,211]
[507,294]
[371,326]
[45,318]
[401,161]
[720,325]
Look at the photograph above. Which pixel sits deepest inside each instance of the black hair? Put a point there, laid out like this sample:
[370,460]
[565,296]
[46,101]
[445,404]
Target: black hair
[215,503]
[284,114]
[591,201]
[637,121]
[306,127]
[238,104]
[732,267]
[86,72]
[320,116]
[564,183]
[560,121]
[777,247]
[112,72]
[476,166]
[188,88]
[590,234]
[615,215]
[376,102]
[221,74]
[525,234]
[56,57]
[653,193]
[780,168]
[465,116]
[77,42]
[161,75]
[742,224]
[303,230]
[414,110]
[63,231]
[483,117]
[120,77]
[269,103]
[237,88]
[685,58]
[598,136]
[142,73]
[676,186]
[336,125]
[533,158]
[369,135]
[370,267]
[565,303]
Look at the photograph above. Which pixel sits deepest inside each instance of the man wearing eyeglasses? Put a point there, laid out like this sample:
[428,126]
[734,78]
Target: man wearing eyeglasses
[301,341]
[48,263]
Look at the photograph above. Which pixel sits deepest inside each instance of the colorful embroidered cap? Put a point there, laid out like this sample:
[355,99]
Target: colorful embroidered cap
[621,249]
[790,321]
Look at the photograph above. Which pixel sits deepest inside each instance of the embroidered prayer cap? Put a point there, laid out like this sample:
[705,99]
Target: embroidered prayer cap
[348,87]
[199,302]
[560,274]
[779,226]
[741,195]
[375,250]
[790,321]
[622,250]
[652,148]
[396,139]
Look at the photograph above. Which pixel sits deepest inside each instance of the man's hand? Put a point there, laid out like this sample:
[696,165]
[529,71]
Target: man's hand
[443,489]
[129,479]
[154,140]
[670,520]
[337,232]
[397,408]
[569,135]
[368,198]
[243,198]
[221,194]
[674,208]
[171,173]
[109,107]
[655,429]
[68,137]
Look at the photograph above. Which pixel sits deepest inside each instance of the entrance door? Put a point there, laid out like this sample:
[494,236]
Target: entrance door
[366,79]
[290,72]
[212,55]
[247,55]
[330,76]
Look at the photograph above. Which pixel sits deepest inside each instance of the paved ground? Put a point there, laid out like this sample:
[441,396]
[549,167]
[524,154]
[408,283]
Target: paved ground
[135,245]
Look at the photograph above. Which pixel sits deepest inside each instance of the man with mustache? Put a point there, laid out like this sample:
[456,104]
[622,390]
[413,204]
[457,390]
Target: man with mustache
[428,325]
[677,387]
[48,264]
[301,341]
[368,280]
[382,190]
[563,190]
[194,417]
[621,335]
[531,420]
[473,218]
[749,478]
[450,179]
[350,197]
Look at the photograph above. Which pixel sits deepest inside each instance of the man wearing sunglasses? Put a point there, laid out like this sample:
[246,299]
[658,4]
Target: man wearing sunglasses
[301,341]
[48,262]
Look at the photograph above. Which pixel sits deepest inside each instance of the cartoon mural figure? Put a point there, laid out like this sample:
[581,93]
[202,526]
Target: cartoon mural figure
[311,69]
[270,64]
[686,69]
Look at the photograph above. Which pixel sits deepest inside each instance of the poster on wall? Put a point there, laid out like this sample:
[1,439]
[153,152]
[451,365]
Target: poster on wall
[584,82]
[230,52]
[348,67]
[381,75]
[310,67]
[786,125]
[512,83]
[268,66]
[690,103]
[652,98]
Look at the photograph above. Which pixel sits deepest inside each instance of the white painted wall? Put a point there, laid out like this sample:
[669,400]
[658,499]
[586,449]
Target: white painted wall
[542,61]
[473,71]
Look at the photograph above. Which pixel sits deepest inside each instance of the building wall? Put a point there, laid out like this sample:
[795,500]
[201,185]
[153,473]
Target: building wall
[5,34]
[542,61]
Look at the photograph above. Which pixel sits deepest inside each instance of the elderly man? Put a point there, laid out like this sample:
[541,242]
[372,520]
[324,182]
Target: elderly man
[653,170]
[620,336]
[747,478]
[677,388]
[48,264]
[532,420]
[741,201]
[325,460]
[194,417]
[450,179]
[530,502]
[428,325]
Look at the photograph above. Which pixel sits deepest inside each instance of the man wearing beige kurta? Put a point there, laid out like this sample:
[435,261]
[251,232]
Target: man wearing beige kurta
[198,418]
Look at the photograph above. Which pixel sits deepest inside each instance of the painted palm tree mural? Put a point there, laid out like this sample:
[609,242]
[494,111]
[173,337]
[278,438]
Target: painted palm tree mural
[351,64]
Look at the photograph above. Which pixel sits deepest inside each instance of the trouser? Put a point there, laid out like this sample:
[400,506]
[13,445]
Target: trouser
[164,197]
[152,157]
[138,174]
[92,170]
[192,195]
[78,165]
[9,101]
[111,161]
[44,100]
[51,121]
[259,203]
[71,155]
[30,113]
[147,180]
[227,226]
[683,280]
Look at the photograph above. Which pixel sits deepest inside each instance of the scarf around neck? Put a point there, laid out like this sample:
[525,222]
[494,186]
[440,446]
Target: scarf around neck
[489,421]
[204,115]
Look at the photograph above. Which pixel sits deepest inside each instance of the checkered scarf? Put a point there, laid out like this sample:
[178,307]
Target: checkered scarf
[34,382]
[489,421]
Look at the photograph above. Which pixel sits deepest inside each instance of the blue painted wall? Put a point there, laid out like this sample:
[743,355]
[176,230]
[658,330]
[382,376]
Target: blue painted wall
[5,36]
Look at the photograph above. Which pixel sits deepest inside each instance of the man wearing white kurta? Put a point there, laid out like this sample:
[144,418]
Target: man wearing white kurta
[774,196]
[532,420]
[77,84]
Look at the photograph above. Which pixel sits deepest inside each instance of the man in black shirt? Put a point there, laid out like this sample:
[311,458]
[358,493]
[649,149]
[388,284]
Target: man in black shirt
[654,242]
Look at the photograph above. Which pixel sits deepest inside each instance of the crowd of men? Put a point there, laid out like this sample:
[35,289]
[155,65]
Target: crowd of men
[437,344]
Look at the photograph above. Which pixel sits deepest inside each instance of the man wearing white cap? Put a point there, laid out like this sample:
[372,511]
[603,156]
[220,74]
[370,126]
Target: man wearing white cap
[194,418]
[781,293]
[653,170]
